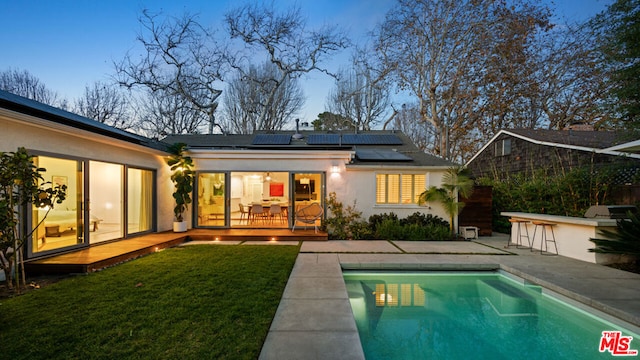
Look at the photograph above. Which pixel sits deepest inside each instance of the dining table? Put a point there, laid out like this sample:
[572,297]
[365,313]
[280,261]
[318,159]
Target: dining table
[266,206]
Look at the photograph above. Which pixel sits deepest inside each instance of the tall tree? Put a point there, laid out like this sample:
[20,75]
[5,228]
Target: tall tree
[25,84]
[285,41]
[163,113]
[437,51]
[333,122]
[618,31]
[182,60]
[407,120]
[569,81]
[252,101]
[361,93]
[105,103]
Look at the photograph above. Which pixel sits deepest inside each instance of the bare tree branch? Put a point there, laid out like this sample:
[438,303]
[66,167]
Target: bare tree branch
[182,59]
[286,43]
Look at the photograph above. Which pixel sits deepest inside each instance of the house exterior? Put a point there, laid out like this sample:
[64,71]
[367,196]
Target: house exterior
[375,171]
[118,184]
[526,150]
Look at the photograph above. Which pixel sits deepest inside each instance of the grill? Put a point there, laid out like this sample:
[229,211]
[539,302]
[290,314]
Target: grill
[610,211]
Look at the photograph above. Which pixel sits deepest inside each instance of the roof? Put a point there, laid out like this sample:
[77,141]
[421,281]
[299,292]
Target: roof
[587,139]
[374,147]
[37,109]
[605,142]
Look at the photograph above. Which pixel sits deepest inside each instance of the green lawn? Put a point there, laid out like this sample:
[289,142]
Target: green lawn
[193,302]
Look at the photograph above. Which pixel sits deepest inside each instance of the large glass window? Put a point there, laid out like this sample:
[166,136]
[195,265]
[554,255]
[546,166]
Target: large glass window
[139,200]
[98,217]
[60,226]
[399,188]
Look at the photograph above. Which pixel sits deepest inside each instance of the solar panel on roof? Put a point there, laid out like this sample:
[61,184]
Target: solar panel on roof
[323,139]
[381,155]
[271,139]
[371,139]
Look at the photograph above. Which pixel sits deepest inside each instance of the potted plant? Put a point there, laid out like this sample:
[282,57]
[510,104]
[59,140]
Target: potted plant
[182,177]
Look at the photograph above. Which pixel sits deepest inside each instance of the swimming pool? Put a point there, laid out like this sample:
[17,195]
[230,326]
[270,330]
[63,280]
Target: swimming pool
[481,315]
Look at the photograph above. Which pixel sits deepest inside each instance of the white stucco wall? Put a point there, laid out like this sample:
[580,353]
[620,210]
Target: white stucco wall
[18,130]
[360,186]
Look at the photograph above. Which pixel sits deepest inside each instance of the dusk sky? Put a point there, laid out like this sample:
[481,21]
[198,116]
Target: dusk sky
[69,44]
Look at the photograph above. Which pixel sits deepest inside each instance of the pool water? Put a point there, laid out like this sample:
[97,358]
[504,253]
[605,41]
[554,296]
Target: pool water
[483,315]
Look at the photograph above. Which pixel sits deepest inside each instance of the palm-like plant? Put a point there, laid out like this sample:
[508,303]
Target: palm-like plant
[455,181]
[626,240]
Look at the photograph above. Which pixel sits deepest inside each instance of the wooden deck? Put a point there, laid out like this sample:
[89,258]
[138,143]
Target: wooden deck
[101,256]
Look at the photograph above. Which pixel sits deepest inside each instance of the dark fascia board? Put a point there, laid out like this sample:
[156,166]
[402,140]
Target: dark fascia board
[39,110]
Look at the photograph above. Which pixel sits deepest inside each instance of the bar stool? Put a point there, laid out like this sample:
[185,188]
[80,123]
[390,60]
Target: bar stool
[544,239]
[520,235]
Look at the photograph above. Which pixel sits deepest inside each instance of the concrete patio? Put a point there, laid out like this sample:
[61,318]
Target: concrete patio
[314,318]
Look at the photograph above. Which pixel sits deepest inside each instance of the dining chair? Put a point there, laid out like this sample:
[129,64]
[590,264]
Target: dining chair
[243,214]
[275,210]
[257,211]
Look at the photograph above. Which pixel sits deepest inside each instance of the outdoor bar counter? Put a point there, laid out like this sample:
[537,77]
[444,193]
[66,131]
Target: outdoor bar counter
[572,233]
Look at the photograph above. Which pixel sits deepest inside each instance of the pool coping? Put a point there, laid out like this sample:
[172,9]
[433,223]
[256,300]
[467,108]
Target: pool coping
[314,318]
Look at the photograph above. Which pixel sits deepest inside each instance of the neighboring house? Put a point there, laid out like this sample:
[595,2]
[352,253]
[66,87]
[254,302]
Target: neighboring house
[525,150]
[119,184]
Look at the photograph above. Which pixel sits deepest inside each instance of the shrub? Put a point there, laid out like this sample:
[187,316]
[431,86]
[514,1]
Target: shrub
[390,229]
[417,226]
[556,191]
[377,219]
[360,230]
[624,241]
[342,222]
[346,223]
[438,232]
[415,232]
[423,219]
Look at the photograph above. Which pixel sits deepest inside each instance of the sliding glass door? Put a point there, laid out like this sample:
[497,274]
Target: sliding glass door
[308,189]
[211,199]
[255,199]
[139,200]
[81,220]
[62,225]
[106,202]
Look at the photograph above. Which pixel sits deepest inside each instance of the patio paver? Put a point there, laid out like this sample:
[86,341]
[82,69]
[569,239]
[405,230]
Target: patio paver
[447,247]
[346,246]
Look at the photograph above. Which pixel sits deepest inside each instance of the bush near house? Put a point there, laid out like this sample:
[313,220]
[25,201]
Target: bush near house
[417,226]
[346,223]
